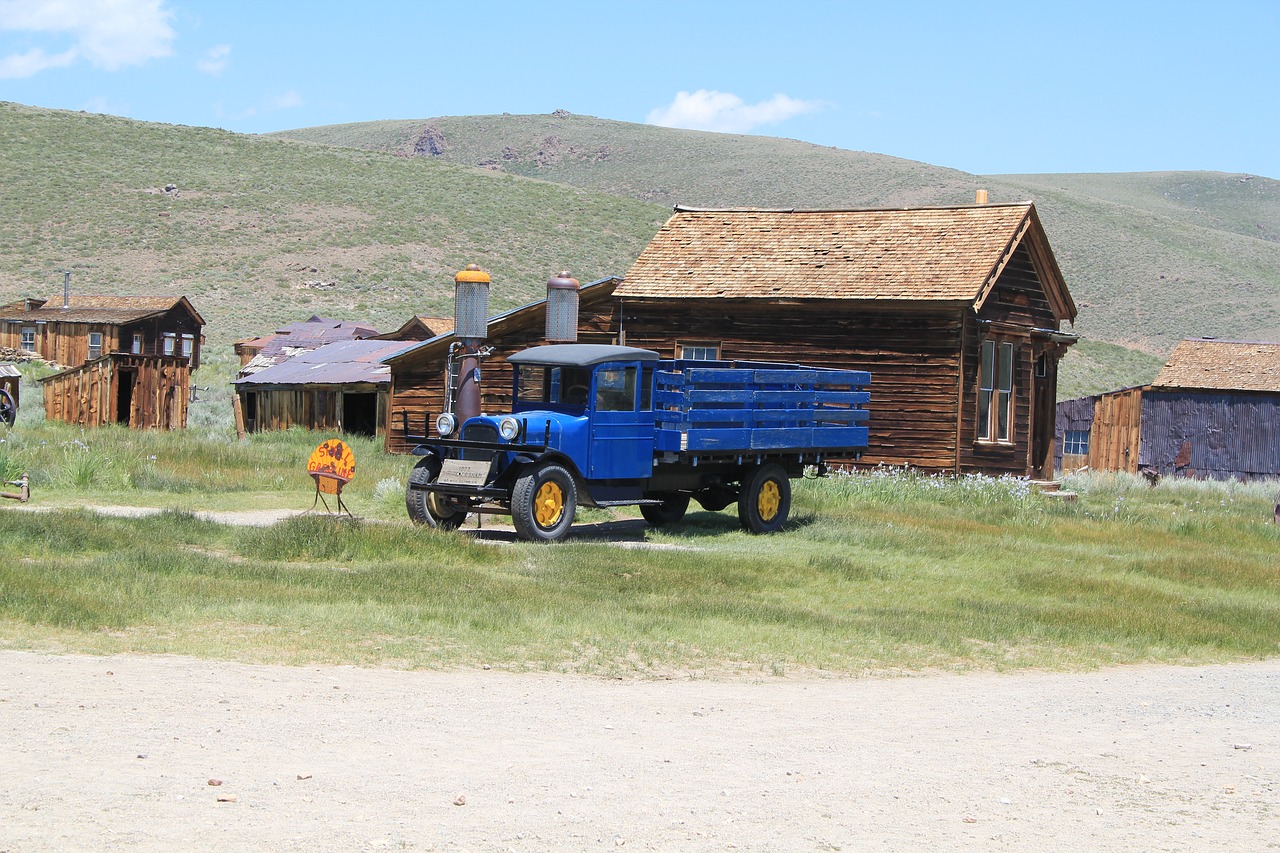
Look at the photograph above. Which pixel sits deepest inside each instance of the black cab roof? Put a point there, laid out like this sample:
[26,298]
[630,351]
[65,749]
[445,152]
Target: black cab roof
[580,355]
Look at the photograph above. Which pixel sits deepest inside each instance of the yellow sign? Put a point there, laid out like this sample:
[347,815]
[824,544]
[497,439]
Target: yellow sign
[333,465]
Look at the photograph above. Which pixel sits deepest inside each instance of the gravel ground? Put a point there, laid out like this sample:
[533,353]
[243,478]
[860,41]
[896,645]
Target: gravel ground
[122,753]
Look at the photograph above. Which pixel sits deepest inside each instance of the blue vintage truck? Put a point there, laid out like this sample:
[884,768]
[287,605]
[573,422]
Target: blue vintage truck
[600,425]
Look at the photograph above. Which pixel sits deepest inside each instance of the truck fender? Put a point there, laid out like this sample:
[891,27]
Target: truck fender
[524,460]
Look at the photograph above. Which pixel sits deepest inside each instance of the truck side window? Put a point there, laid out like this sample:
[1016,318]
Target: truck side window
[616,389]
[646,389]
[575,385]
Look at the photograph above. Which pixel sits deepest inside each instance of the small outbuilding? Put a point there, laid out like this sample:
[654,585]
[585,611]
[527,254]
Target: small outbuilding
[1212,412]
[341,387]
[294,338]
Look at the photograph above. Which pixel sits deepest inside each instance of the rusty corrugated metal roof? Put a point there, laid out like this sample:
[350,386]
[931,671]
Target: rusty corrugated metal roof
[1222,365]
[110,310]
[936,253]
[341,363]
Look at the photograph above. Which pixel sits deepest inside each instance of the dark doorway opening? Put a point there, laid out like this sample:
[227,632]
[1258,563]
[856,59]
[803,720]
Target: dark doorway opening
[360,413]
[124,395]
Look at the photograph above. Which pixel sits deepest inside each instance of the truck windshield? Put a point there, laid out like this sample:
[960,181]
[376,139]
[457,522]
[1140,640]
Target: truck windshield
[538,383]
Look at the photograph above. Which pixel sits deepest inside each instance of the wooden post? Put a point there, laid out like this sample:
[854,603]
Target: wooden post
[235,407]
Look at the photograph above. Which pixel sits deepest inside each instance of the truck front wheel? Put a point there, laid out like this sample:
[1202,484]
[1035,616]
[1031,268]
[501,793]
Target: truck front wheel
[765,500]
[543,503]
[426,507]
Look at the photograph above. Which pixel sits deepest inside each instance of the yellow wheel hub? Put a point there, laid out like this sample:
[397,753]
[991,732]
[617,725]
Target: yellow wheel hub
[768,501]
[548,504]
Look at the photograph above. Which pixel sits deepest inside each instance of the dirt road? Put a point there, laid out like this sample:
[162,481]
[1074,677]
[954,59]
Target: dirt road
[118,753]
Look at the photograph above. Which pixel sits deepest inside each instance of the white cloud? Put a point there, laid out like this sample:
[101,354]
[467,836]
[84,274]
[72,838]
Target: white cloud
[108,34]
[215,59]
[727,113]
[285,101]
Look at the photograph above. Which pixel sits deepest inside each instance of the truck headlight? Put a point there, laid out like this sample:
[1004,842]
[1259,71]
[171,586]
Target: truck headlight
[508,428]
[446,423]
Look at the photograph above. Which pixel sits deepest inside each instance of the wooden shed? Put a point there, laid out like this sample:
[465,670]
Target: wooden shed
[341,387]
[1212,412]
[419,374]
[139,391]
[74,330]
[957,312]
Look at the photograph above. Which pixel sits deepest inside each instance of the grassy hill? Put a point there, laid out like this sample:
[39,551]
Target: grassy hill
[372,222]
[260,231]
[1150,258]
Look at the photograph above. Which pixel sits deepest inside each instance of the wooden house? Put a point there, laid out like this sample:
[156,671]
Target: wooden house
[340,387]
[129,358]
[419,328]
[77,329]
[957,312]
[419,374]
[1212,412]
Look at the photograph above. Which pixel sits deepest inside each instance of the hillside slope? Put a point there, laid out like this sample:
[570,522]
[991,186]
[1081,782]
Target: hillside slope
[1150,259]
[259,232]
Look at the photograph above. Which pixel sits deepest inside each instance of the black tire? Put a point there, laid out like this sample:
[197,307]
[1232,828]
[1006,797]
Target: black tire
[765,501]
[8,408]
[543,503]
[671,510]
[426,508]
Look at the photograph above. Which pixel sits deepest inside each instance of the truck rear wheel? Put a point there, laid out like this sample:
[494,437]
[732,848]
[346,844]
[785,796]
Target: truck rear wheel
[671,510]
[765,500]
[426,507]
[543,503]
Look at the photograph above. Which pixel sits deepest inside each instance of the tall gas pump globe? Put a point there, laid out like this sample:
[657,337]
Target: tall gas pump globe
[471,325]
[562,308]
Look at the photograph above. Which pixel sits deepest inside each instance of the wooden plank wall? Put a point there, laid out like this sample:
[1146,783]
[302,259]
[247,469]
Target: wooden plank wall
[1117,431]
[88,396]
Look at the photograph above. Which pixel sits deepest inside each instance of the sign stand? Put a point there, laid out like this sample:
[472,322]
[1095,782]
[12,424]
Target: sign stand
[332,465]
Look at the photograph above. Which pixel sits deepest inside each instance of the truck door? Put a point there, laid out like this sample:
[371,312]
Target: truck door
[621,445]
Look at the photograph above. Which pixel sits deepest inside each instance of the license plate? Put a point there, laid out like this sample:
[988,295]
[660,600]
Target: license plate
[463,472]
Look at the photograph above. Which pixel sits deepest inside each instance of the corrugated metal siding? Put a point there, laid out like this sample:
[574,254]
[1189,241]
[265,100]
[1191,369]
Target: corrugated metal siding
[1074,414]
[1214,435]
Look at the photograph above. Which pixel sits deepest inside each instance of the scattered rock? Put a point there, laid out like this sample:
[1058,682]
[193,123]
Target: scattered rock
[228,798]
[1243,745]
[215,782]
[302,776]
[461,800]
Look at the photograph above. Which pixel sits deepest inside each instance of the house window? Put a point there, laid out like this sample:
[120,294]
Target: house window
[995,391]
[700,352]
[95,345]
[1075,442]
[1042,367]
[170,343]
[188,345]
[137,343]
[29,338]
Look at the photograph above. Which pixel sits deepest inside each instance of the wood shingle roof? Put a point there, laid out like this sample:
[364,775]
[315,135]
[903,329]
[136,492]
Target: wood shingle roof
[111,310]
[1200,363]
[949,254]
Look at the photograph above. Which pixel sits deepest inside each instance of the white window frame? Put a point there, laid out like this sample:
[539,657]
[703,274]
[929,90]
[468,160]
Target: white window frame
[700,352]
[28,338]
[170,343]
[996,369]
[95,345]
[188,345]
[137,343]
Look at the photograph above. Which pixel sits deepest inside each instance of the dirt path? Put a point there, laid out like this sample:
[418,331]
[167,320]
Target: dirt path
[117,753]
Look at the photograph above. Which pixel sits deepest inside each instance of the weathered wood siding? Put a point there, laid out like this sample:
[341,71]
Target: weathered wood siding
[1117,431]
[313,407]
[68,343]
[144,392]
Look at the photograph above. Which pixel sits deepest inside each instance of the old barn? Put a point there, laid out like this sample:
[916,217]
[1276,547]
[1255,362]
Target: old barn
[957,312]
[1212,412]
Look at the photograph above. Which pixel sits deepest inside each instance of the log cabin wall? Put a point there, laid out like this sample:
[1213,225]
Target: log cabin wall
[913,356]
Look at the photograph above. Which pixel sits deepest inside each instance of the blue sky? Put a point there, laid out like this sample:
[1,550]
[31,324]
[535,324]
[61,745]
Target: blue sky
[984,87]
